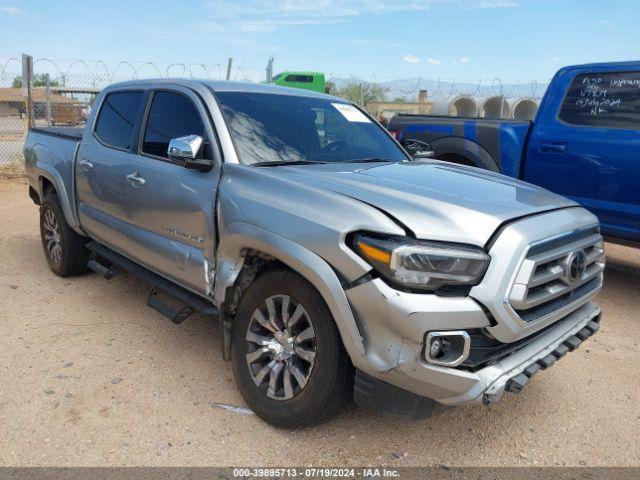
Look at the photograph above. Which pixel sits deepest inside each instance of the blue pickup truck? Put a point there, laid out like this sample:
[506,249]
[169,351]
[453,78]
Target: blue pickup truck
[584,142]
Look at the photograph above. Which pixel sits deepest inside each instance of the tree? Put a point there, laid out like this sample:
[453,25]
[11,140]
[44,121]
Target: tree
[38,80]
[361,93]
[330,87]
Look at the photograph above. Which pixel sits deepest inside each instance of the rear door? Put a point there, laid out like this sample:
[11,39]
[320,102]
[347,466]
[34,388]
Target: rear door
[586,145]
[104,159]
[170,209]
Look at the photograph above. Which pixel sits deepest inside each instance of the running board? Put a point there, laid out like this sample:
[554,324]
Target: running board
[190,301]
[100,269]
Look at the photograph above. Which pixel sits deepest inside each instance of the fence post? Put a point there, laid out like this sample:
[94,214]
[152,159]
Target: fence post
[27,73]
[48,99]
[269,70]
[229,63]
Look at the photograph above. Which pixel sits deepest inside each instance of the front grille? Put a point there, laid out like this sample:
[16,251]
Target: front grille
[558,273]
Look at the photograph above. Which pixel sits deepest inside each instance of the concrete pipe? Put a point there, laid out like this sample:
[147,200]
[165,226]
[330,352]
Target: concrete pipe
[464,106]
[460,106]
[525,108]
[495,107]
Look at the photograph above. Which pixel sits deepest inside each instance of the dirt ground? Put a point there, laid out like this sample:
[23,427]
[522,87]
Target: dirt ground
[90,376]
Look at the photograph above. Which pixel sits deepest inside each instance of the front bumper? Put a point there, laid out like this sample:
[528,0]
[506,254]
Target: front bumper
[389,319]
[515,379]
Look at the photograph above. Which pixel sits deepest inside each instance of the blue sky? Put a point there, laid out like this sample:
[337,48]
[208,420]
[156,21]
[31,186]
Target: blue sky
[463,39]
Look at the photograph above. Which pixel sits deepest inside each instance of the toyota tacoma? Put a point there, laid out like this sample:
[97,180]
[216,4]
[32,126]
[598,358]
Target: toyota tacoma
[339,264]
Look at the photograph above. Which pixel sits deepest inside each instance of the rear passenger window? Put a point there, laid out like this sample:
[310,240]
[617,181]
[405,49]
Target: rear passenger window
[172,115]
[117,117]
[604,100]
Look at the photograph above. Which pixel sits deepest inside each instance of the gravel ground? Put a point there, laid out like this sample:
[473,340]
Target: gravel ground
[93,377]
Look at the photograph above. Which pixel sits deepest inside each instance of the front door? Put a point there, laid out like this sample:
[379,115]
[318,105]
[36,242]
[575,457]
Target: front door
[172,208]
[589,148]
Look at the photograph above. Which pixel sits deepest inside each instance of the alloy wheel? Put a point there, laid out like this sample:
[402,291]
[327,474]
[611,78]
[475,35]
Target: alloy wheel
[281,346]
[52,236]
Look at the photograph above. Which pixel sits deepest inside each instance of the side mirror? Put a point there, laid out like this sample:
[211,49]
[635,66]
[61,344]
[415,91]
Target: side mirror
[417,148]
[185,151]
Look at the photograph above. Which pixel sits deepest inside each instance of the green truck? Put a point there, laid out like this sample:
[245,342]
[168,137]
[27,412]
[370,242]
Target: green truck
[313,81]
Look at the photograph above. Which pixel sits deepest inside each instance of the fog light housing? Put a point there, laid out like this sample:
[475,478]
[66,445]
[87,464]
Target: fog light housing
[447,348]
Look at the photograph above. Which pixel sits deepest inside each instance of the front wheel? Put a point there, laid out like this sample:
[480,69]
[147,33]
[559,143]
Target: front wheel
[288,359]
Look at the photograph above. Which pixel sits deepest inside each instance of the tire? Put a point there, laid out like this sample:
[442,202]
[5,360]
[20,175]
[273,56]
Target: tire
[458,150]
[64,249]
[319,385]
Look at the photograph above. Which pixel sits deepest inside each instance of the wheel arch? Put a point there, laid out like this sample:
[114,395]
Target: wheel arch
[458,149]
[241,242]
[50,180]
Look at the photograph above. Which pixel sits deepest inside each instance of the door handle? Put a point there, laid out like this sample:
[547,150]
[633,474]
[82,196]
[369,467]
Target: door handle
[553,147]
[135,179]
[85,164]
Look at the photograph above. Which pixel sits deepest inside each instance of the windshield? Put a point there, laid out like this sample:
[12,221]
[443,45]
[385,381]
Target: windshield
[288,128]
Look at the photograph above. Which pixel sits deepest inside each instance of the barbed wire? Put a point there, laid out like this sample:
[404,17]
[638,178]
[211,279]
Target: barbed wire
[99,73]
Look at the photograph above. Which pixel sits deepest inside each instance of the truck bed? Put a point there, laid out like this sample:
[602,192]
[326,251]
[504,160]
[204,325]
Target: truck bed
[496,145]
[50,153]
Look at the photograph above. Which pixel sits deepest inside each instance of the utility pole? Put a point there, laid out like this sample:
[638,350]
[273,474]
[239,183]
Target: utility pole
[269,72]
[229,63]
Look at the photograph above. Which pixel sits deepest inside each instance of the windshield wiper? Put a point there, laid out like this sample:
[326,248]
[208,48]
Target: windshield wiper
[284,162]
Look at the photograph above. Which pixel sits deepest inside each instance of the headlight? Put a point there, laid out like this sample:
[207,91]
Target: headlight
[422,265]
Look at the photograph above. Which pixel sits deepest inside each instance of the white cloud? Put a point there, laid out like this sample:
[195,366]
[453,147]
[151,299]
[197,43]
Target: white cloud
[463,60]
[269,15]
[10,10]
[556,59]
[497,4]
[271,25]
[268,9]
[434,61]
[411,58]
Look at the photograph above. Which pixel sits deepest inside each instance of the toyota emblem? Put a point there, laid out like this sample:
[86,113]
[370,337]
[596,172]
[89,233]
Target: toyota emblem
[576,265]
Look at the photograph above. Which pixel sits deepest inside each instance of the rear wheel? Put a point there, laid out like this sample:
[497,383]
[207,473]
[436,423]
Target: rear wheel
[288,358]
[64,249]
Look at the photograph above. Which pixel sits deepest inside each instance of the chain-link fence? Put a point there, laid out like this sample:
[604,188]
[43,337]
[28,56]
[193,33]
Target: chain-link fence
[12,120]
[63,92]
[491,99]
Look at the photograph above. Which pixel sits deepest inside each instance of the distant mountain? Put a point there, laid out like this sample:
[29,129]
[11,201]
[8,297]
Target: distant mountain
[408,88]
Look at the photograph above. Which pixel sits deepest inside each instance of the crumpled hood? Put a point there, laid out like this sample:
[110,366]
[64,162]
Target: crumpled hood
[435,200]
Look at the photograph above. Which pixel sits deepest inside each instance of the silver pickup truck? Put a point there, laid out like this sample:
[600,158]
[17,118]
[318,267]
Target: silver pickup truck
[338,264]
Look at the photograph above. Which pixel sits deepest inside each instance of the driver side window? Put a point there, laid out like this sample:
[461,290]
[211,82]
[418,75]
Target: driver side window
[172,115]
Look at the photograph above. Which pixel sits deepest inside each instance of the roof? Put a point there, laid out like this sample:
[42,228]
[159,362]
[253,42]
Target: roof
[37,95]
[299,72]
[603,66]
[226,86]
[620,64]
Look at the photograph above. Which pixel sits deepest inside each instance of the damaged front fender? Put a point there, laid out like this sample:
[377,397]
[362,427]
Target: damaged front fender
[239,237]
